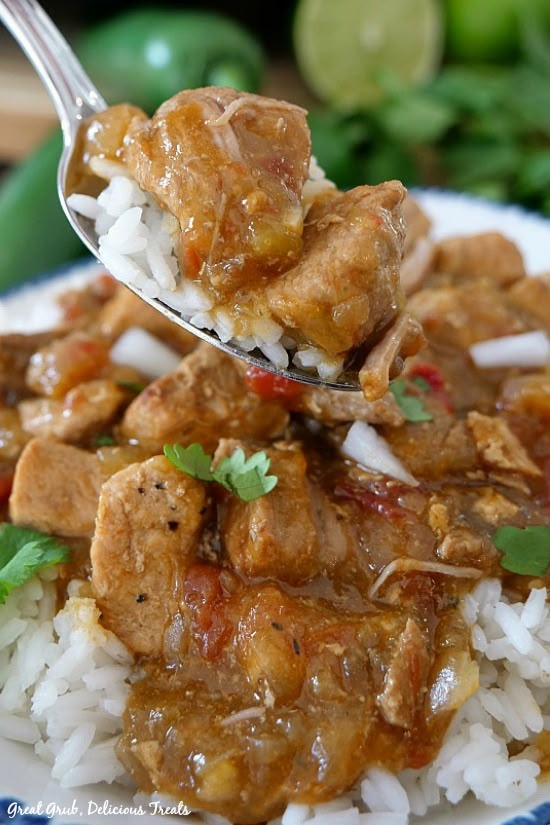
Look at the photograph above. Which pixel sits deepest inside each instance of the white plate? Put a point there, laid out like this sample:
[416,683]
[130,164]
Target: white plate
[24,777]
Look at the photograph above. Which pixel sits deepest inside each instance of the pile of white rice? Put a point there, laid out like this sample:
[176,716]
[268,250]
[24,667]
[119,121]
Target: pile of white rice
[136,241]
[64,683]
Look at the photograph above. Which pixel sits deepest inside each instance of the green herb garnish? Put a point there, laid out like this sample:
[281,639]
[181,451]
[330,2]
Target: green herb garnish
[421,383]
[247,478]
[133,386]
[525,550]
[413,408]
[104,441]
[24,552]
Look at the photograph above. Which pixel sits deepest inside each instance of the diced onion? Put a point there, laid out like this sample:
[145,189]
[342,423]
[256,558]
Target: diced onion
[371,451]
[529,349]
[137,348]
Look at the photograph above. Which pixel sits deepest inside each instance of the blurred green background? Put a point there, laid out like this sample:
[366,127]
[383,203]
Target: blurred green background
[452,93]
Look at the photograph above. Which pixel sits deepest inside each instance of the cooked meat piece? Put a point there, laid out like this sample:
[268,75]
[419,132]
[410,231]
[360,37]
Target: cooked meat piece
[147,531]
[463,546]
[80,307]
[405,683]
[345,287]
[203,400]
[333,407]
[56,489]
[337,534]
[270,644]
[101,137]
[85,410]
[310,665]
[488,255]
[458,316]
[58,367]
[493,507]
[498,446]
[435,448]
[417,265]
[526,394]
[386,359]
[12,435]
[230,166]
[439,517]
[127,310]
[533,295]
[417,224]
[15,353]
[256,533]
[418,249]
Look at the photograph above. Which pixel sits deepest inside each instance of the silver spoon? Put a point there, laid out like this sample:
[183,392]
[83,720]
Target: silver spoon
[75,98]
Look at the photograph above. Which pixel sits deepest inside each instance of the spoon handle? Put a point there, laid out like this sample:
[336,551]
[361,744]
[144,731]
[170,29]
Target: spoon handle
[71,90]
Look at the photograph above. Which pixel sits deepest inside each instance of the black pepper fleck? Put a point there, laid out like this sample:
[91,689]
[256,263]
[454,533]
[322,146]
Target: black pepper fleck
[296,647]
[276,626]
[173,525]
[160,485]
[141,598]
[141,490]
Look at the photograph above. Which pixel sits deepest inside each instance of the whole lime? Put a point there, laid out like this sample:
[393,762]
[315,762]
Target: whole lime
[345,48]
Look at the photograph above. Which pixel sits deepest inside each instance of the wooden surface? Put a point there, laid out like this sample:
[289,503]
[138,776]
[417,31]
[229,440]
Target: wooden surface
[26,114]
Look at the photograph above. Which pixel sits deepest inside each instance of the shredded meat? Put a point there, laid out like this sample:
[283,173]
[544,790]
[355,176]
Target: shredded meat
[497,445]
[410,665]
[386,359]
[494,507]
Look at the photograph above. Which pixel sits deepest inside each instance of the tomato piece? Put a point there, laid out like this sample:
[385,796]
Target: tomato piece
[193,261]
[271,387]
[203,594]
[434,378]
[104,286]
[378,502]
[6,483]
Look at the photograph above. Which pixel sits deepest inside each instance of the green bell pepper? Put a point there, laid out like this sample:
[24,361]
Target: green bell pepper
[35,234]
[146,56]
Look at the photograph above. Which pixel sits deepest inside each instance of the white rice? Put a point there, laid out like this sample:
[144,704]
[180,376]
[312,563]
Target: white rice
[136,243]
[63,683]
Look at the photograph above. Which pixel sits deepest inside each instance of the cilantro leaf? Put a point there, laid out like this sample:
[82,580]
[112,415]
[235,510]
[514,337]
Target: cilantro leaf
[525,550]
[413,408]
[245,477]
[133,386]
[104,441]
[24,552]
[421,383]
[192,460]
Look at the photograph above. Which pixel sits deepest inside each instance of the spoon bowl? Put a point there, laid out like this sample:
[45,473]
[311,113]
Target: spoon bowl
[76,98]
